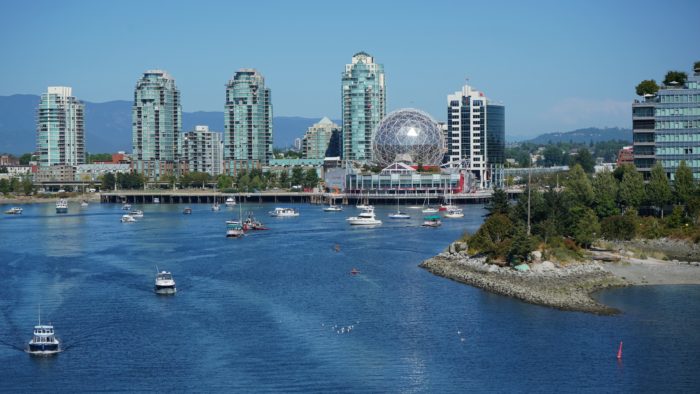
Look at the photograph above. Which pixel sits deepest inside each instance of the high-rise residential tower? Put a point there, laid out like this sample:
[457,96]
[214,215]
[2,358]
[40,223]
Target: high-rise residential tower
[475,135]
[363,105]
[247,122]
[156,124]
[666,127]
[317,138]
[202,151]
[60,128]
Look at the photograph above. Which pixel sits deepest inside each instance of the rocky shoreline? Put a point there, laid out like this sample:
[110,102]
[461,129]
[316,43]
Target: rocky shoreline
[567,288]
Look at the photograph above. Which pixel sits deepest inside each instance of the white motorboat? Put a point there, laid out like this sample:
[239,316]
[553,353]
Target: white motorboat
[366,218]
[454,213]
[284,212]
[429,210]
[44,341]
[333,208]
[187,211]
[136,213]
[230,202]
[127,218]
[165,284]
[215,207]
[84,204]
[126,207]
[62,206]
[234,229]
[432,221]
[156,200]
[14,211]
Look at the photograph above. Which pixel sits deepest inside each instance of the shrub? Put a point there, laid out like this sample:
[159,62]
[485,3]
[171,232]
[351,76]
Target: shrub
[650,228]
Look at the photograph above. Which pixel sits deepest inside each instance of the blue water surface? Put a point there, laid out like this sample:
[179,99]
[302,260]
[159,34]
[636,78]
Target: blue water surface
[279,311]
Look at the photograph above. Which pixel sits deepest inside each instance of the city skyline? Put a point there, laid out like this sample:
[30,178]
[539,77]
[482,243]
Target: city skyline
[556,66]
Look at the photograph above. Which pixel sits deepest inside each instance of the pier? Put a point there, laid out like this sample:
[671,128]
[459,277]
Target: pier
[209,197]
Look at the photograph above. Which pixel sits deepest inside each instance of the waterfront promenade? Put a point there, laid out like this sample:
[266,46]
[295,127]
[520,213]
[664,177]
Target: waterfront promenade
[205,196]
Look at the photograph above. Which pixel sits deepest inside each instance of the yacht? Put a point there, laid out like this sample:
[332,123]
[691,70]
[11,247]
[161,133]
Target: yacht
[251,223]
[127,218]
[136,213]
[284,212]
[156,200]
[14,211]
[44,341]
[234,229]
[230,202]
[165,284]
[333,208]
[454,213]
[187,211]
[366,217]
[62,206]
[432,221]
[215,207]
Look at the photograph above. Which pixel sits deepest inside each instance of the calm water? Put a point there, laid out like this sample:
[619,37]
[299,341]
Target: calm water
[271,311]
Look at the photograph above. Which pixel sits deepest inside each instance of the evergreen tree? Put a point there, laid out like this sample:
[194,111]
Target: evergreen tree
[583,158]
[631,192]
[585,226]
[658,188]
[499,203]
[605,190]
[521,245]
[578,187]
[683,186]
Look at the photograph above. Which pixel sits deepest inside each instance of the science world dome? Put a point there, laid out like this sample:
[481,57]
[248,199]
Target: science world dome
[408,135]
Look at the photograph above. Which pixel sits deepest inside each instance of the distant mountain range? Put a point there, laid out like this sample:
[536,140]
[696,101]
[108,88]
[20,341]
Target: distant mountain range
[584,136]
[108,125]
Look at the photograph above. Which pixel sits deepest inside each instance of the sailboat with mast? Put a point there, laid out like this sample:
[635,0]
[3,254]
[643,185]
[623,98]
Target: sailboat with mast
[398,214]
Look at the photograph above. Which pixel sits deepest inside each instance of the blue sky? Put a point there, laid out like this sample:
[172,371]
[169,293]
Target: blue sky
[556,65]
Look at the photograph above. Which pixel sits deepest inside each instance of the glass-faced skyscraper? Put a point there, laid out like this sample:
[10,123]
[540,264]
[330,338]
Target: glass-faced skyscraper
[475,135]
[60,128]
[247,122]
[363,104]
[156,124]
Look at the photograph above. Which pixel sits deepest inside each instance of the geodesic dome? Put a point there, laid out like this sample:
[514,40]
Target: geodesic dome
[408,135]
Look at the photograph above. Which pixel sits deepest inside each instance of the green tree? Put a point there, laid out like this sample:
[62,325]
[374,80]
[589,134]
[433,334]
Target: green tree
[683,185]
[605,191]
[311,178]
[25,159]
[108,181]
[631,191]
[91,158]
[499,203]
[618,227]
[4,186]
[658,189]
[27,186]
[297,176]
[675,76]
[578,187]
[284,180]
[584,159]
[553,156]
[521,246]
[224,182]
[648,86]
[493,237]
[586,228]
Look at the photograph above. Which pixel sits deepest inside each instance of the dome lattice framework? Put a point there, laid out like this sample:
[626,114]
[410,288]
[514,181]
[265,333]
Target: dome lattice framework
[408,135]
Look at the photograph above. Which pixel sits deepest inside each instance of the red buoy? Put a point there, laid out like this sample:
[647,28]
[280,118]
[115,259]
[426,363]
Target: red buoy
[619,351]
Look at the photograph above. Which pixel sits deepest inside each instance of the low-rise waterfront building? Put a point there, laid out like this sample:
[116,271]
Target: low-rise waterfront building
[55,173]
[93,172]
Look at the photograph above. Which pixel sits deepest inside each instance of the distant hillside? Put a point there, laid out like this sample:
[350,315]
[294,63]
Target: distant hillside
[108,125]
[584,136]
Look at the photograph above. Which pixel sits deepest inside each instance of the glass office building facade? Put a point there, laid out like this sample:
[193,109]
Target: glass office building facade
[60,128]
[247,122]
[363,106]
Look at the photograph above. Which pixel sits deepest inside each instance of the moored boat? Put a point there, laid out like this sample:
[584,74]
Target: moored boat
[215,207]
[165,283]
[432,221]
[156,200]
[126,207]
[187,211]
[136,213]
[230,202]
[14,211]
[333,208]
[83,204]
[284,212]
[365,218]
[127,219]
[234,229]
[454,213]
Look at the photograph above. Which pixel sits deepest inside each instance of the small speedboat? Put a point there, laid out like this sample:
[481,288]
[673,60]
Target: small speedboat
[44,341]
[187,211]
[127,219]
[156,200]
[234,229]
[136,213]
[251,223]
[354,271]
[14,211]
[165,284]
[230,202]
[333,208]
[126,207]
[284,212]
[84,204]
